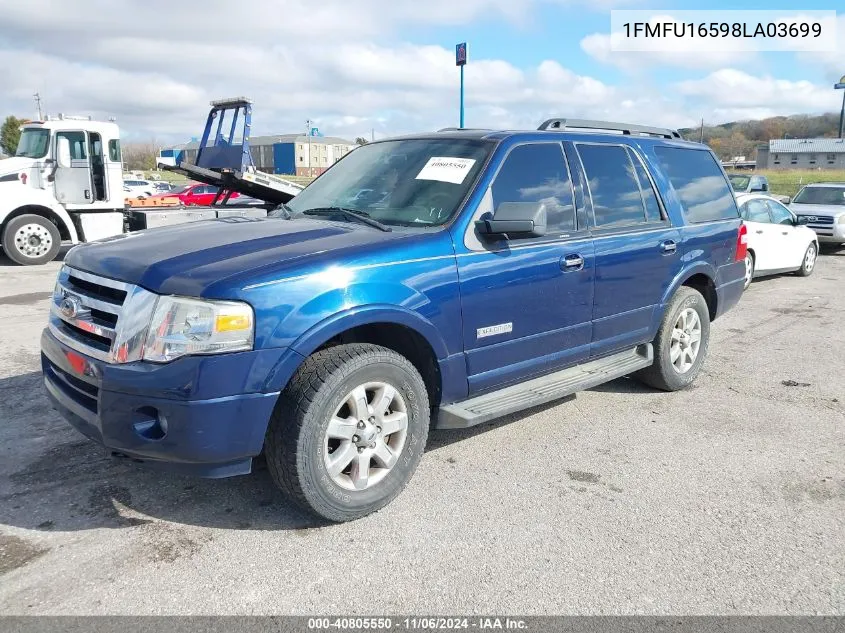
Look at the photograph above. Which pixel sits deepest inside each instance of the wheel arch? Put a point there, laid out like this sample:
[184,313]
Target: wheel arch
[59,217]
[700,277]
[405,332]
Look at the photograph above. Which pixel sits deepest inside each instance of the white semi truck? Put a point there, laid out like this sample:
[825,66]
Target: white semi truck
[63,185]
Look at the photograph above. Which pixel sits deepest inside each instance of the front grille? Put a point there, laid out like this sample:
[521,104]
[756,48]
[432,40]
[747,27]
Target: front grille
[98,316]
[822,220]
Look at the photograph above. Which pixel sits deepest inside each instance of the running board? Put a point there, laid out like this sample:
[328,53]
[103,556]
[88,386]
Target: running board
[544,389]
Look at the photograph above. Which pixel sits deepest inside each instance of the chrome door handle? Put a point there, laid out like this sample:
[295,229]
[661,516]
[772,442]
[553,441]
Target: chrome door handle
[668,246]
[758,231]
[572,262]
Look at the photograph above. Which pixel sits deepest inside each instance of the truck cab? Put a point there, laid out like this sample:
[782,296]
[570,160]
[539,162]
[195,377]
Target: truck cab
[64,184]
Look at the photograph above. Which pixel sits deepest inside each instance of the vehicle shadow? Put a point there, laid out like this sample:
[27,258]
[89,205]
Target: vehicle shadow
[54,479]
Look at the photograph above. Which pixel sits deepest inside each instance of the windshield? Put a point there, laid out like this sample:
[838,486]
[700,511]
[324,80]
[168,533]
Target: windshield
[821,195]
[34,143]
[403,182]
[739,183]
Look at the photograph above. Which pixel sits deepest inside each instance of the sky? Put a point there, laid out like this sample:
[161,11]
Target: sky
[385,67]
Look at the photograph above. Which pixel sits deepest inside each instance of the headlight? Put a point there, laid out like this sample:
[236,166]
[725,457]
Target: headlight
[183,326]
[841,219]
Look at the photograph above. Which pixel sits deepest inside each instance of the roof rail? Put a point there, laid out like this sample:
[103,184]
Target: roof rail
[463,129]
[625,128]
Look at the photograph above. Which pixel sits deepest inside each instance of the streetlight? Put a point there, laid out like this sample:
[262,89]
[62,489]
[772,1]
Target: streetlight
[841,86]
[461,60]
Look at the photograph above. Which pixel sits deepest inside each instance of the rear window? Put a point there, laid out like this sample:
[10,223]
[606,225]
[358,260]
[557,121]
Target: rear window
[700,184]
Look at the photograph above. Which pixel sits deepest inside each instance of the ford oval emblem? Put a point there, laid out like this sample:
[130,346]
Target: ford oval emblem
[69,307]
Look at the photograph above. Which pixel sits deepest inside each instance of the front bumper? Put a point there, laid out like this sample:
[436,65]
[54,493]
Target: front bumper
[830,234]
[200,415]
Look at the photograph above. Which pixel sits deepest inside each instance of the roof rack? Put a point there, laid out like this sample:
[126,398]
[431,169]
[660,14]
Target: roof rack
[625,128]
[463,129]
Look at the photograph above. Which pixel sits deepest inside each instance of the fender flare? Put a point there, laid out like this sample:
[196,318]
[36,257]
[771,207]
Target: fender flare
[696,268]
[55,209]
[339,322]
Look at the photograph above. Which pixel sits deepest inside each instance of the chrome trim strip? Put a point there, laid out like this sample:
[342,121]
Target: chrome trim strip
[85,324]
[90,302]
[79,346]
[96,279]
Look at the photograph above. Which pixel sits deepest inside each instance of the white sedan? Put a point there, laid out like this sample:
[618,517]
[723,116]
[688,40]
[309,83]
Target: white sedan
[778,242]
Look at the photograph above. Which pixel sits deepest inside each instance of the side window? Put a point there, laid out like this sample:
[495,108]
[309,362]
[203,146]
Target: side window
[114,151]
[699,182]
[780,214]
[756,211]
[613,185]
[537,173]
[77,144]
[652,207]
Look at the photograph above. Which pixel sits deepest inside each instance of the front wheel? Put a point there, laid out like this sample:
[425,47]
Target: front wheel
[31,240]
[809,263]
[348,431]
[681,344]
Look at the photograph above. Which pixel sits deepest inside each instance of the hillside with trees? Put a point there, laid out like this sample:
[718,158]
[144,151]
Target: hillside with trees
[740,138]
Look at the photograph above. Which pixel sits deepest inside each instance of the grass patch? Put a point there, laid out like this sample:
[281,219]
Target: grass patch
[787,182]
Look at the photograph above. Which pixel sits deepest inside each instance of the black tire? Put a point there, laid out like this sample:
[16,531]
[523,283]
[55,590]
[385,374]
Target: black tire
[663,374]
[15,247]
[807,269]
[295,441]
[749,262]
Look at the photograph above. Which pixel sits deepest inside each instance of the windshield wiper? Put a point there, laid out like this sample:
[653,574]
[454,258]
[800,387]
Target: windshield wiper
[349,213]
[285,209]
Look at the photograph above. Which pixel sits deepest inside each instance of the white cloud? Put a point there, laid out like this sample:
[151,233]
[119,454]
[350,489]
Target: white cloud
[155,66]
[604,48]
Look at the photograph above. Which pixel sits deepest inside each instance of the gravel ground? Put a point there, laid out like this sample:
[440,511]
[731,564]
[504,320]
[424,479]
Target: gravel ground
[727,498]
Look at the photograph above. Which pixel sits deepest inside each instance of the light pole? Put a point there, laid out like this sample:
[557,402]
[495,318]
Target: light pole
[461,60]
[308,133]
[841,86]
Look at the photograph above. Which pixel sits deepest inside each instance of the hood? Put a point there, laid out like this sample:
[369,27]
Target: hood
[212,257]
[830,210]
[15,164]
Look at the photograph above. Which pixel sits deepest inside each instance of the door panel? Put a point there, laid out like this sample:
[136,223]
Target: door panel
[526,303]
[789,237]
[73,184]
[536,313]
[762,238]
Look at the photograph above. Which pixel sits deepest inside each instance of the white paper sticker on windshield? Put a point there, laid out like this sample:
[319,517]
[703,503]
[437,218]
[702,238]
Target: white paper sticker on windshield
[446,169]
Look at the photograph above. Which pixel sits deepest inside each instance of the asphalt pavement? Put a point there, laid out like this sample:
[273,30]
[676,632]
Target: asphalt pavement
[727,498]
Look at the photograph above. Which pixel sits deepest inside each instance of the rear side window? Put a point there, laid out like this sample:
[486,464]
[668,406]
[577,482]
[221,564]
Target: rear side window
[613,185]
[696,177]
[756,211]
[537,172]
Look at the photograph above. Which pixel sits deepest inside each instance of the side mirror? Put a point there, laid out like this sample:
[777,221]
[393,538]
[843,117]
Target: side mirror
[520,219]
[63,152]
[786,200]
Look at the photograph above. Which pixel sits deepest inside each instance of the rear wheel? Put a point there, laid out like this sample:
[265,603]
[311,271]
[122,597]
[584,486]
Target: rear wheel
[31,240]
[348,431]
[809,263]
[681,344]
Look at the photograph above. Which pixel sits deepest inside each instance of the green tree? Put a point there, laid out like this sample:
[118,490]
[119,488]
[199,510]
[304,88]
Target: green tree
[10,134]
[360,141]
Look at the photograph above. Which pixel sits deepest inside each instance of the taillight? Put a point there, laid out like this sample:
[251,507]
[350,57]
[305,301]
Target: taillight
[741,243]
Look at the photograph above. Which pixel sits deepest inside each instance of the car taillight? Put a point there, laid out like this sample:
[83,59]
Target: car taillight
[741,243]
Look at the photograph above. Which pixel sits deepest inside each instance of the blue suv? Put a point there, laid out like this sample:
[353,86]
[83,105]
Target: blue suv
[436,280]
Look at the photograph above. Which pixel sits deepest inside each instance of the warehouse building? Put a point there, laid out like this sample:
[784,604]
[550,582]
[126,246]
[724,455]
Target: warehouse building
[292,154]
[806,153]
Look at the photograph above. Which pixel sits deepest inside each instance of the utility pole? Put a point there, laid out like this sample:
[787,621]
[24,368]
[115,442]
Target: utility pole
[841,86]
[38,106]
[308,133]
[701,132]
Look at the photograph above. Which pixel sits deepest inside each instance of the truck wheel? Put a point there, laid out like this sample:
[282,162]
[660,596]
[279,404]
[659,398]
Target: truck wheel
[681,342]
[348,431]
[31,240]
[809,262]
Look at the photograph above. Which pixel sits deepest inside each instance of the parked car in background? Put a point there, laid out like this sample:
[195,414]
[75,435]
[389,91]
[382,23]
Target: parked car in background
[823,206]
[778,240]
[139,188]
[196,194]
[163,187]
[749,183]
